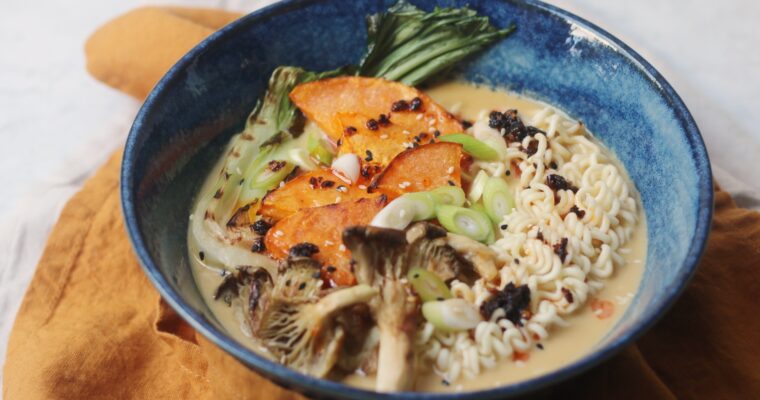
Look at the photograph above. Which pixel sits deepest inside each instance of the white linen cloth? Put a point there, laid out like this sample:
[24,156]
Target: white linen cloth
[58,125]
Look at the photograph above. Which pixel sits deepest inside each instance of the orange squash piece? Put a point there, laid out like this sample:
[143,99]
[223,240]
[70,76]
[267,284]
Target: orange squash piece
[323,100]
[402,132]
[323,226]
[420,169]
[312,189]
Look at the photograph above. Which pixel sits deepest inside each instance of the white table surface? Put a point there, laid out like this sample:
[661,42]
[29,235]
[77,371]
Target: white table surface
[57,124]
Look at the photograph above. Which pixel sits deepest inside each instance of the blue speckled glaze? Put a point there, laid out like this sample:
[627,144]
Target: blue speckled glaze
[553,56]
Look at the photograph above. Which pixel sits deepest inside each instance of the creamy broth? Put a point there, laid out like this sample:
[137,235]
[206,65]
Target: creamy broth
[565,345]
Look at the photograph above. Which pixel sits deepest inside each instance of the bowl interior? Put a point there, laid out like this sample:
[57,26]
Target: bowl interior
[552,56]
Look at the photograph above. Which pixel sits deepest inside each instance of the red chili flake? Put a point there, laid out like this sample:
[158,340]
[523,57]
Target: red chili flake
[558,182]
[383,120]
[568,295]
[602,308]
[372,124]
[349,131]
[401,105]
[561,249]
[580,213]
[519,356]
[416,104]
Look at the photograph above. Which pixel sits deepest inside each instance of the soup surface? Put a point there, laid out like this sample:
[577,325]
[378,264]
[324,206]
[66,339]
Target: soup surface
[583,328]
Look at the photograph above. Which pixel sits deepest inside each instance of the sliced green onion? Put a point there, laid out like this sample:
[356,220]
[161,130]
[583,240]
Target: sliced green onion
[451,315]
[465,221]
[424,205]
[398,214]
[428,285]
[451,195]
[477,186]
[497,199]
[472,146]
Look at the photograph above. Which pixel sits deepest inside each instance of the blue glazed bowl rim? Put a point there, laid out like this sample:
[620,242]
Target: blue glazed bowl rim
[313,385]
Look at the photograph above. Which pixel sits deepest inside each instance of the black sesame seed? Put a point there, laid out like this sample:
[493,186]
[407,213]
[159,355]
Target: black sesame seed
[445,382]
[316,275]
[327,184]
[416,104]
[302,286]
[540,346]
[369,156]
[331,269]
[508,173]
[503,227]
[201,256]
[401,105]
[258,245]
[287,283]
[261,227]
[372,124]
[452,183]
[349,131]
[383,120]
[304,249]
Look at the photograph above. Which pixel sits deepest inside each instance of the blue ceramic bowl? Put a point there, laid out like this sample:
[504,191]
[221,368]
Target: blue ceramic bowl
[553,56]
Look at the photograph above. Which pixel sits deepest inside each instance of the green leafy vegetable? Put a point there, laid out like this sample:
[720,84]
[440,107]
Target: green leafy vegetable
[409,45]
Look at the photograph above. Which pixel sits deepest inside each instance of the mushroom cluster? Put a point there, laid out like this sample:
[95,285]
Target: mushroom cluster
[369,326]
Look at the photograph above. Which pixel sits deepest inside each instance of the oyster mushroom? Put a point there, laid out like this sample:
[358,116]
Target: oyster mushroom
[477,254]
[429,249]
[299,324]
[381,262]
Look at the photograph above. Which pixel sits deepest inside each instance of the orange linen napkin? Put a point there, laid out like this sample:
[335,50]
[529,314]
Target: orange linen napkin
[92,326]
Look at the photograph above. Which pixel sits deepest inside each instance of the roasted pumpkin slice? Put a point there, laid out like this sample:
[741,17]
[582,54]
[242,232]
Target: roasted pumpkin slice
[423,168]
[323,226]
[323,100]
[379,141]
[312,189]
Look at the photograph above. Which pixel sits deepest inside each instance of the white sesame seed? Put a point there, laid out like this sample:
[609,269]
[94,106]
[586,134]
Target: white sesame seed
[383,136]
[450,170]
[431,122]
[278,233]
[282,183]
[420,117]
[406,132]
[338,199]
[342,247]
[363,187]
[342,189]
[329,243]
